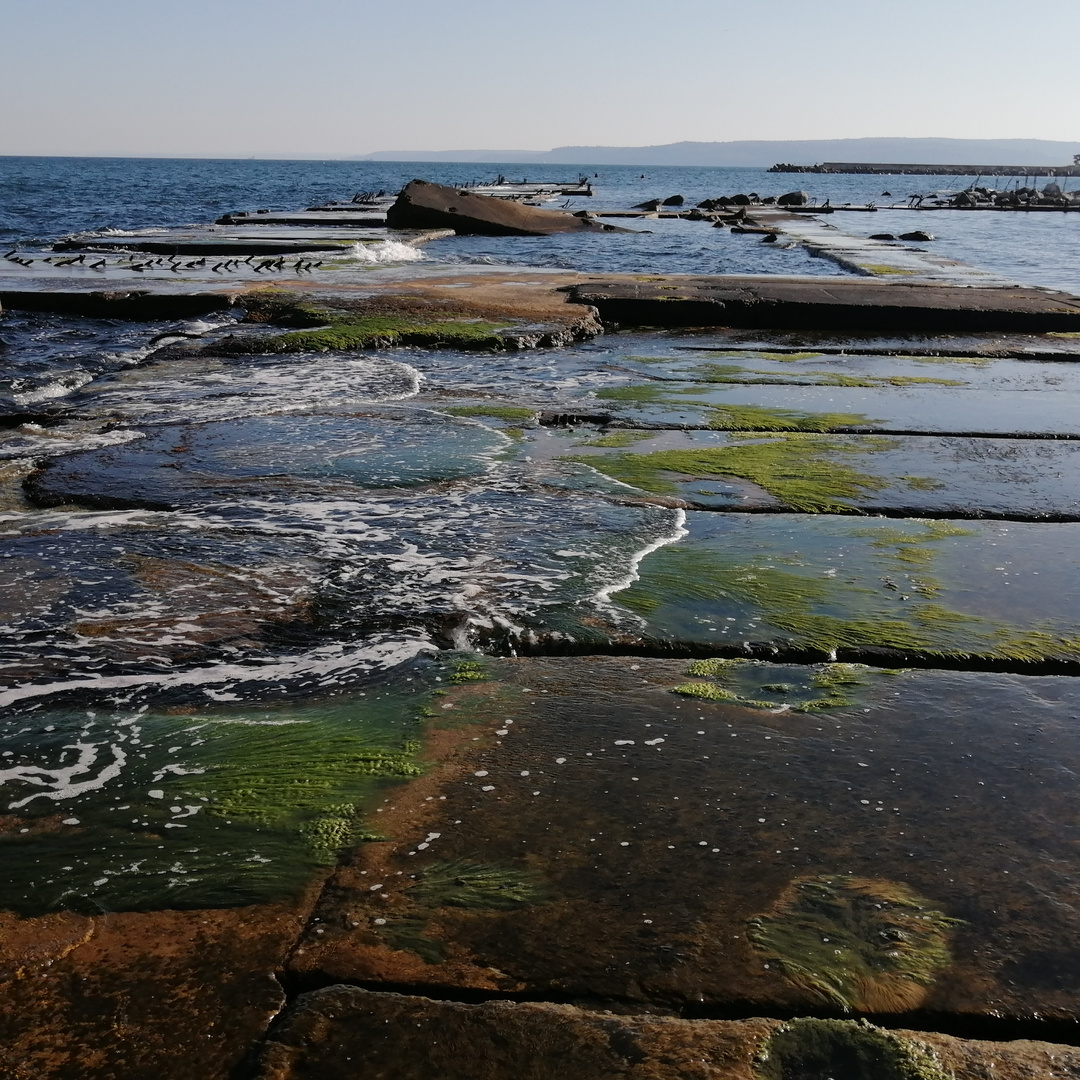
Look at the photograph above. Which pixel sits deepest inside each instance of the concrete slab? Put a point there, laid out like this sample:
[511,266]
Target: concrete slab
[902,476]
[980,593]
[414,1038]
[832,304]
[709,854]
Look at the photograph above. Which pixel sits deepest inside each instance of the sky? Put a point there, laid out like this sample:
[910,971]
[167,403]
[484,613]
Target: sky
[241,78]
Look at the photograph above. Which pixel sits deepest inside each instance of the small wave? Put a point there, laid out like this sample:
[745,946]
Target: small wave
[386,251]
[53,388]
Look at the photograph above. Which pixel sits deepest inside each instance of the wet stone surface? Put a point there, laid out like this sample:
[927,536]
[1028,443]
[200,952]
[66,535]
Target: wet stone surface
[896,843]
[907,588]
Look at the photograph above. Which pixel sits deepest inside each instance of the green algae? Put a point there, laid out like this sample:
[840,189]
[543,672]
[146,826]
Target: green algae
[375,331]
[410,935]
[736,374]
[788,601]
[221,808]
[813,689]
[806,473]
[855,943]
[813,1049]
[324,328]
[467,671]
[616,440]
[762,418]
[883,270]
[467,884]
[498,412]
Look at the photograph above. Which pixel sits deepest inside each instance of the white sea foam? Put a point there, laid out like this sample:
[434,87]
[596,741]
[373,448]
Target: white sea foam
[325,664]
[604,596]
[386,251]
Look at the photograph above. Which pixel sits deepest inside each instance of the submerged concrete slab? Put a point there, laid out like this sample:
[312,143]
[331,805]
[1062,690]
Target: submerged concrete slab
[902,476]
[758,837]
[977,593]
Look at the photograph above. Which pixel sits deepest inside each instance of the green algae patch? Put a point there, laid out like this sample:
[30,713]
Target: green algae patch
[496,412]
[224,807]
[804,689]
[738,375]
[617,440]
[763,418]
[376,331]
[732,417]
[805,473]
[324,328]
[468,884]
[813,1049]
[883,270]
[468,671]
[855,943]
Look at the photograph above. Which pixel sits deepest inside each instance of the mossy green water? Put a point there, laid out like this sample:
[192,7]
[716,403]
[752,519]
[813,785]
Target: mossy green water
[857,943]
[813,1049]
[813,474]
[863,589]
[732,417]
[754,684]
[214,808]
[739,375]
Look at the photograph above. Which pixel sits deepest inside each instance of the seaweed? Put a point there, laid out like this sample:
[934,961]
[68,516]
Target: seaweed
[813,1049]
[825,686]
[410,935]
[467,884]
[855,943]
[466,671]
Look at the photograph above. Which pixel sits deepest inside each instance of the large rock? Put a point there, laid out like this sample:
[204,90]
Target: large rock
[793,198]
[425,205]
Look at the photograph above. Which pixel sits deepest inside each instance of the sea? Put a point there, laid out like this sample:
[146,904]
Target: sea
[257,533]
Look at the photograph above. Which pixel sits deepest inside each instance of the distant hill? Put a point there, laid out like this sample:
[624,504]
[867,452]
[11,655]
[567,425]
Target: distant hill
[763,153]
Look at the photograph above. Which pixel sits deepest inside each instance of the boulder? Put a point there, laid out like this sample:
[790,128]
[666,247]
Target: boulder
[882,236]
[423,205]
[918,236]
[673,200]
[648,204]
[739,200]
[794,198]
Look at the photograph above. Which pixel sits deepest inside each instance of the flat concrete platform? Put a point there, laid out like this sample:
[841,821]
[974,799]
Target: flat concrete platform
[825,304]
[840,304]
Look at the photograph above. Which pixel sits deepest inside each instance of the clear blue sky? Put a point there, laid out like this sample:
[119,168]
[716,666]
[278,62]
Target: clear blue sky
[342,77]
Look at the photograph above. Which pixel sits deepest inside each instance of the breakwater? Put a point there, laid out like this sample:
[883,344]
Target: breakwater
[872,168]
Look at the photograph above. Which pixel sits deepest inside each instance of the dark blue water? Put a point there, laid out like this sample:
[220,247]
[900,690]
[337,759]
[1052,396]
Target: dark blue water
[43,198]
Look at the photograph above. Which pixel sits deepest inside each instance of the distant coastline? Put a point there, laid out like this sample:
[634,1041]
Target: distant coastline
[763,153]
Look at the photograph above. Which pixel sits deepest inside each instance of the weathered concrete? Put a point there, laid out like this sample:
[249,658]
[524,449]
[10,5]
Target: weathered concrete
[422,205]
[839,305]
[342,1031]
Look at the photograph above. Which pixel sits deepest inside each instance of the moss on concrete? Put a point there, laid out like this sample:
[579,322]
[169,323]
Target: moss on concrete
[856,943]
[810,689]
[498,412]
[812,1049]
[806,473]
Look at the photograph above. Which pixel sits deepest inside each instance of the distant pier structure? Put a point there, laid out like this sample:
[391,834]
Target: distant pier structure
[894,169]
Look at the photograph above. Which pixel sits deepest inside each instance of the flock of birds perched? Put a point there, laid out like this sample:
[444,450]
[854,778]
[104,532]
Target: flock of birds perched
[301,266]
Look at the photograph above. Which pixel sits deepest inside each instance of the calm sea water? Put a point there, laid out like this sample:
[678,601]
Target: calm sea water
[42,198]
